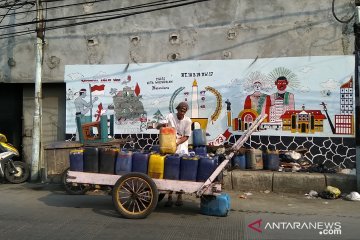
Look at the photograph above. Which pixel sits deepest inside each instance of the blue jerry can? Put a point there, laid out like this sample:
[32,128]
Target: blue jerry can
[215,205]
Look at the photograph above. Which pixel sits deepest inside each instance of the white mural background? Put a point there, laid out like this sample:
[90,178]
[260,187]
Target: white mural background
[147,88]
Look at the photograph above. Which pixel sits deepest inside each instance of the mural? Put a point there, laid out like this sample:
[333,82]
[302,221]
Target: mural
[303,96]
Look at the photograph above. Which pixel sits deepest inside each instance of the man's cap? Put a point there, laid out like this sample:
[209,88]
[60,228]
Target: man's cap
[183,105]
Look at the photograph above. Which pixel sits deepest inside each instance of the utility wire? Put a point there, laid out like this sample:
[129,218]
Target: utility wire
[126,15]
[18,3]
[114,10]
[29,31]
[56,7]
[5,15]
[82,16]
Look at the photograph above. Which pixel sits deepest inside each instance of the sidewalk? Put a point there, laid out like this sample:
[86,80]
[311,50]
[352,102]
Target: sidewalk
[286,182]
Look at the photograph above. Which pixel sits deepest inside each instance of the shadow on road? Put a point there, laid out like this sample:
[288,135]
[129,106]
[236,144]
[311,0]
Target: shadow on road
[100,202]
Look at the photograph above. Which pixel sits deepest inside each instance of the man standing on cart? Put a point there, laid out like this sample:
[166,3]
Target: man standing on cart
[182,124]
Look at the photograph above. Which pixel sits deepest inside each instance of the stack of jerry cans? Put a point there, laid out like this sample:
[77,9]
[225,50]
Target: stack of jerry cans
[271,159]
[91,159]
[254,159]
[155,148]
[199,142]
[156,166]
[238,161]
[188,168]
[172,167]
[207,166]
[123,163]
[215,205]
[140,161]
[77,160]
[200,150]
[107,158]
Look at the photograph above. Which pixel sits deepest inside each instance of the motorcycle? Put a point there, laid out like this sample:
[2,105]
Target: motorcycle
[13,171]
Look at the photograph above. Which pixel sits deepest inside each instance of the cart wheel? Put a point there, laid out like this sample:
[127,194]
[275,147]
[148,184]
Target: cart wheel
[135,195]
[71,188]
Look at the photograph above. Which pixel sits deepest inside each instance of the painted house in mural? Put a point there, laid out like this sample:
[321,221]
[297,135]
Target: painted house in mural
[303,121]
[244,120]
[127,104]
[344,120]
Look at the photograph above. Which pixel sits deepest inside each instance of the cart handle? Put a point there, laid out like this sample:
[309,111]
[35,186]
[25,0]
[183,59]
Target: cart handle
[238,144]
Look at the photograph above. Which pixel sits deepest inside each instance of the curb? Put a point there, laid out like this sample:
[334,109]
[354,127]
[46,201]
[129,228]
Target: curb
[287,182]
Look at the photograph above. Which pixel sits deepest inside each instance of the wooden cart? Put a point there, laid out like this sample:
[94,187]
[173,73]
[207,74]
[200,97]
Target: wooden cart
[135,195]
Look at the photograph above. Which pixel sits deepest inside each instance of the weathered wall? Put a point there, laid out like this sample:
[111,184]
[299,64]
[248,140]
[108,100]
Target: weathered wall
[217,29]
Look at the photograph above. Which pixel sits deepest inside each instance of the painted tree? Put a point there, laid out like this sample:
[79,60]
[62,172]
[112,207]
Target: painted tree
[158,116]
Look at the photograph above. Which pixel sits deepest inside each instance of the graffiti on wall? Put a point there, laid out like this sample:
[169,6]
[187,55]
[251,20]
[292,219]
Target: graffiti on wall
[302,96]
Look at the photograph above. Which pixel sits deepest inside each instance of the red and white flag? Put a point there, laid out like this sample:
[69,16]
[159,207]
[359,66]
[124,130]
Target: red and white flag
[97,90]
[220,139]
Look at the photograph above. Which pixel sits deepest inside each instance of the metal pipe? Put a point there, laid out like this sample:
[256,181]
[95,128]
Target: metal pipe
[356,84]
[38,95]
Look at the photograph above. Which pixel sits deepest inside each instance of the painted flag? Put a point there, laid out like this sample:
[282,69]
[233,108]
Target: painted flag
[98,90]
[137,89]
[100,111]
[220,139]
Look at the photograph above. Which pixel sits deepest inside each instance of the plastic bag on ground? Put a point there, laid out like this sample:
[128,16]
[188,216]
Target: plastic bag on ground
[353,196]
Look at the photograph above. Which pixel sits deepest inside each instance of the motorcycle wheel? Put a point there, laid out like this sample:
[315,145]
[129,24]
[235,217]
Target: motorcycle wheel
[73,188]
[22,174]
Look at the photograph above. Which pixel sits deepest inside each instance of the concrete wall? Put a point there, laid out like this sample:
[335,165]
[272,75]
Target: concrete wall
[217,29]
[208,30]
[53,116]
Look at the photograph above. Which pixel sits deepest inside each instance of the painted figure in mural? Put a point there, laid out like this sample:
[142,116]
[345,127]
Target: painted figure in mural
[281,101]
[258,101]
[228,105]
[82,107]
[182,124]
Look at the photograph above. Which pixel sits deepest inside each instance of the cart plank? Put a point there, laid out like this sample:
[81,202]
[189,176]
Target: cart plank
[162,184]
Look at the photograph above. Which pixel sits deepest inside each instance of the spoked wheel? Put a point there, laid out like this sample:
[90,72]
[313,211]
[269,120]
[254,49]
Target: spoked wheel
[19,174]
[135,195]
[73,188]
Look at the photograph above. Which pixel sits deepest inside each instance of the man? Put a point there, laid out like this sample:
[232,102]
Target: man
[282,100]
[258,101]
[182,124]
[81,106]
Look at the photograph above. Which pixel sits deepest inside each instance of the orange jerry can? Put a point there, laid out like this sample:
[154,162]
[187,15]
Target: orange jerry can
[167,140]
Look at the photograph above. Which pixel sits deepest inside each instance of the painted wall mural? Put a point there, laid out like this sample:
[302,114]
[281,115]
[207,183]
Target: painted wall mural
[303,96]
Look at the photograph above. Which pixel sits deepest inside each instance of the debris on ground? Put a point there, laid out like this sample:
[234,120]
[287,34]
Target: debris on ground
[312,194]
[243,196]
[290,161]
[330,193]
[267,191]
[248,193]
[348,171]
[353,196]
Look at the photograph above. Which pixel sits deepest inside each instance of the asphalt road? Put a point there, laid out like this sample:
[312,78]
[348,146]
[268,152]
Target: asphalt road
[45,211]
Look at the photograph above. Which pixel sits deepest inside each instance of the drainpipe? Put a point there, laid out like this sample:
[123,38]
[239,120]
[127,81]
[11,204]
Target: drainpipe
[36,156]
